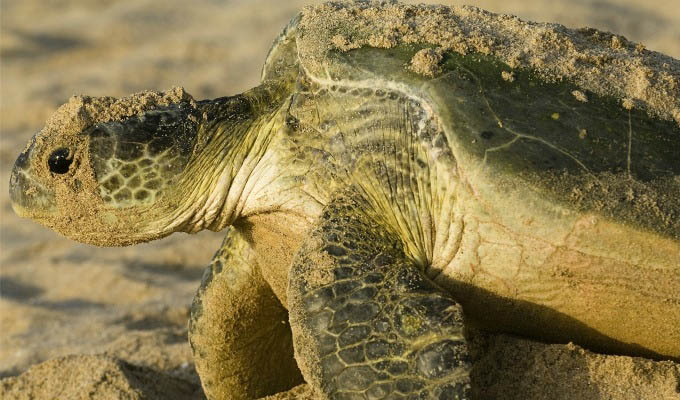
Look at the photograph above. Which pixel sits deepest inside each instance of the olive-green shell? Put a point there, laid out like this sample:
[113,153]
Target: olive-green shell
[516,132]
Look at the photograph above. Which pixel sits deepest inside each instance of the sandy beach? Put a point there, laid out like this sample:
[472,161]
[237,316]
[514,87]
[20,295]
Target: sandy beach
[78,321]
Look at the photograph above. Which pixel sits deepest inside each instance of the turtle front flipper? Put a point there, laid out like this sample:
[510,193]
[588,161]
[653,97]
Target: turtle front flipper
[238,328]
[367,323]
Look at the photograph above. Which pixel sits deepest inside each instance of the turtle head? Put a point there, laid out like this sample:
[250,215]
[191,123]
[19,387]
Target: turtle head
[110,172]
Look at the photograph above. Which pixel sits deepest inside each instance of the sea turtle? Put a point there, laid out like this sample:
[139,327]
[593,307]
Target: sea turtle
[396,166]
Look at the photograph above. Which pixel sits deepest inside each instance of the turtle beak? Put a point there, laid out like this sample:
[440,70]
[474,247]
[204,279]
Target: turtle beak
[28,196]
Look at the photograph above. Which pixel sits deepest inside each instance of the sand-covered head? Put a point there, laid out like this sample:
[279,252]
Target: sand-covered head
[99,161]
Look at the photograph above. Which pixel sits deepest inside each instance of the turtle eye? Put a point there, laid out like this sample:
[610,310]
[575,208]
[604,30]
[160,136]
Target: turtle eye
[60,160]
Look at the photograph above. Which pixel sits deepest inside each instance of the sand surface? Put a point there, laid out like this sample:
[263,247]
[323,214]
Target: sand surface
[83,322]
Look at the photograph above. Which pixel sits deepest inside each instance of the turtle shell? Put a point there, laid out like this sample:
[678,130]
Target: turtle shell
[525,135]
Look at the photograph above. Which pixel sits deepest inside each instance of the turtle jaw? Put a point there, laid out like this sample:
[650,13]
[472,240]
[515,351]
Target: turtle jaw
[29,198]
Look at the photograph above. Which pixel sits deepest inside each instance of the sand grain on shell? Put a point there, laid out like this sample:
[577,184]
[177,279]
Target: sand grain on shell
[598,61]
[427,62]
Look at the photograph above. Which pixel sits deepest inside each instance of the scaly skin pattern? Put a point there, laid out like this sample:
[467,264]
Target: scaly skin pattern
[367,323]
[134,161]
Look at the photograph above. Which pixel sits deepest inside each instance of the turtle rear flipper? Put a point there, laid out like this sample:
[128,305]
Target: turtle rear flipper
[238,331]
[367,323]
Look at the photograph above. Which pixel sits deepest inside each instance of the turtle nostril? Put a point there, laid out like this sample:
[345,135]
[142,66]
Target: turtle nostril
[60,160]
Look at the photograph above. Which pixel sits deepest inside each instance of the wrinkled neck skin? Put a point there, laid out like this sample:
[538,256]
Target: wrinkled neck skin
[233,140]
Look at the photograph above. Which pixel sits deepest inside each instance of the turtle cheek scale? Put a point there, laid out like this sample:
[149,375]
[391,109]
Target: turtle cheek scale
[138,159]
